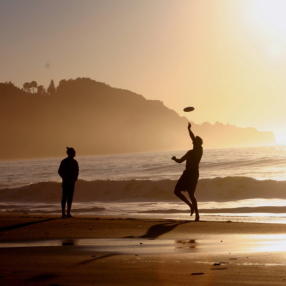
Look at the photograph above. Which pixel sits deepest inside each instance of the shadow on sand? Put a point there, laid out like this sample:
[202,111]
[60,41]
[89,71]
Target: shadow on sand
[15,226]
[97,257]
[159,229]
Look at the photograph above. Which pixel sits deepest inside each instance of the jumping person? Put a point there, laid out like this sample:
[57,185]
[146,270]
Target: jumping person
[189,178]
[68,171]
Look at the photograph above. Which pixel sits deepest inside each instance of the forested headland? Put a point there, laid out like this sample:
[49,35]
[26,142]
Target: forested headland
[96,118]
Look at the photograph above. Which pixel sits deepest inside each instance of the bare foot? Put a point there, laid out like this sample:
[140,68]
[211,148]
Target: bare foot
[197,218]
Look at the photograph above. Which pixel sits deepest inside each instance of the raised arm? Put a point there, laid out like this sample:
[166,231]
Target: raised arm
[191,133]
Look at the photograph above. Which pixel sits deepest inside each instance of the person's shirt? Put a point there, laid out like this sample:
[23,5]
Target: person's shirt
[69,170]
[193,157]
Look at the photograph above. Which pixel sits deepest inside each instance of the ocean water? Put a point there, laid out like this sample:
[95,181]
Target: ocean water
[236,184]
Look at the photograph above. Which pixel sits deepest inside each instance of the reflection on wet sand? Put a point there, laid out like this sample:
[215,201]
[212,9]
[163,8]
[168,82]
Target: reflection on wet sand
[186,244]
[69,242]
[230,244]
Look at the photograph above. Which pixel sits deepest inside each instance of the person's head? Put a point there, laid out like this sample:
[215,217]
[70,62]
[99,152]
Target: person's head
[71,152]
[199,140]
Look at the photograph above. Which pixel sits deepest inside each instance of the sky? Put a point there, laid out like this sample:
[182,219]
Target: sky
[226,58]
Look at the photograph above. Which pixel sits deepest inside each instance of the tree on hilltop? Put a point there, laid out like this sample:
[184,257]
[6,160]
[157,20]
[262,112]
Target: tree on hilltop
[33,85]
[41,90]
[26,87]
[51,89]
[8,88]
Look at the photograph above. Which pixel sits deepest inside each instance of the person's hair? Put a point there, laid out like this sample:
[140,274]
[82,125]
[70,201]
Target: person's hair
[199,140]
[70,151]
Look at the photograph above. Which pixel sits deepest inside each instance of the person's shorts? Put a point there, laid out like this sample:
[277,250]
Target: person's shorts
[188,181]
[68,191]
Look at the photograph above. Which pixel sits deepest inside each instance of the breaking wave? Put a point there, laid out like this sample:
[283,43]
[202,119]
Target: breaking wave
[216,189]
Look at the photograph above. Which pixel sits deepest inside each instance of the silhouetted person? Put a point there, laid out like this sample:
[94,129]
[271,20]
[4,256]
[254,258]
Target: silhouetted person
[188,180]
[68,171]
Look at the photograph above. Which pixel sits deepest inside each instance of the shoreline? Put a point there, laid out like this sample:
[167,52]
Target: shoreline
[172,215]
[31,226]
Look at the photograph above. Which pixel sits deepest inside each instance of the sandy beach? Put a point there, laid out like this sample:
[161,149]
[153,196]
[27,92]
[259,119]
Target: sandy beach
[47,250]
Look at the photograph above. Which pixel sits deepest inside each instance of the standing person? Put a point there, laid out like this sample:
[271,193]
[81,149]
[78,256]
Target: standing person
[188,180]
[68,171]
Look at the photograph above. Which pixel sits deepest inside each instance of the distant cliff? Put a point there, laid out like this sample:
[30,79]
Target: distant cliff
[220,136]
[95,118]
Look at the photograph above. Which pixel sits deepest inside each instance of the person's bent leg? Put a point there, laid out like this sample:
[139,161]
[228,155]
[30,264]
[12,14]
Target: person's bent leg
[179,194]
[195,204]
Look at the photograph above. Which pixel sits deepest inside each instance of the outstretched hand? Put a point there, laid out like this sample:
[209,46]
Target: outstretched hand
[173,158]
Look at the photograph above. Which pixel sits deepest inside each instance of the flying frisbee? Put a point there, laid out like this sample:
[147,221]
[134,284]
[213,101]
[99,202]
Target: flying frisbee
[188,109]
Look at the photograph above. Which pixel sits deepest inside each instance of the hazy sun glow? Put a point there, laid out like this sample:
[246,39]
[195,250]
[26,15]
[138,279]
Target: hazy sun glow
[272,13]
[269,22]
[225,58]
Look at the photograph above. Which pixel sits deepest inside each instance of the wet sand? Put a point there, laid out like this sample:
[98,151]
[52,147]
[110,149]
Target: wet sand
[46,250]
